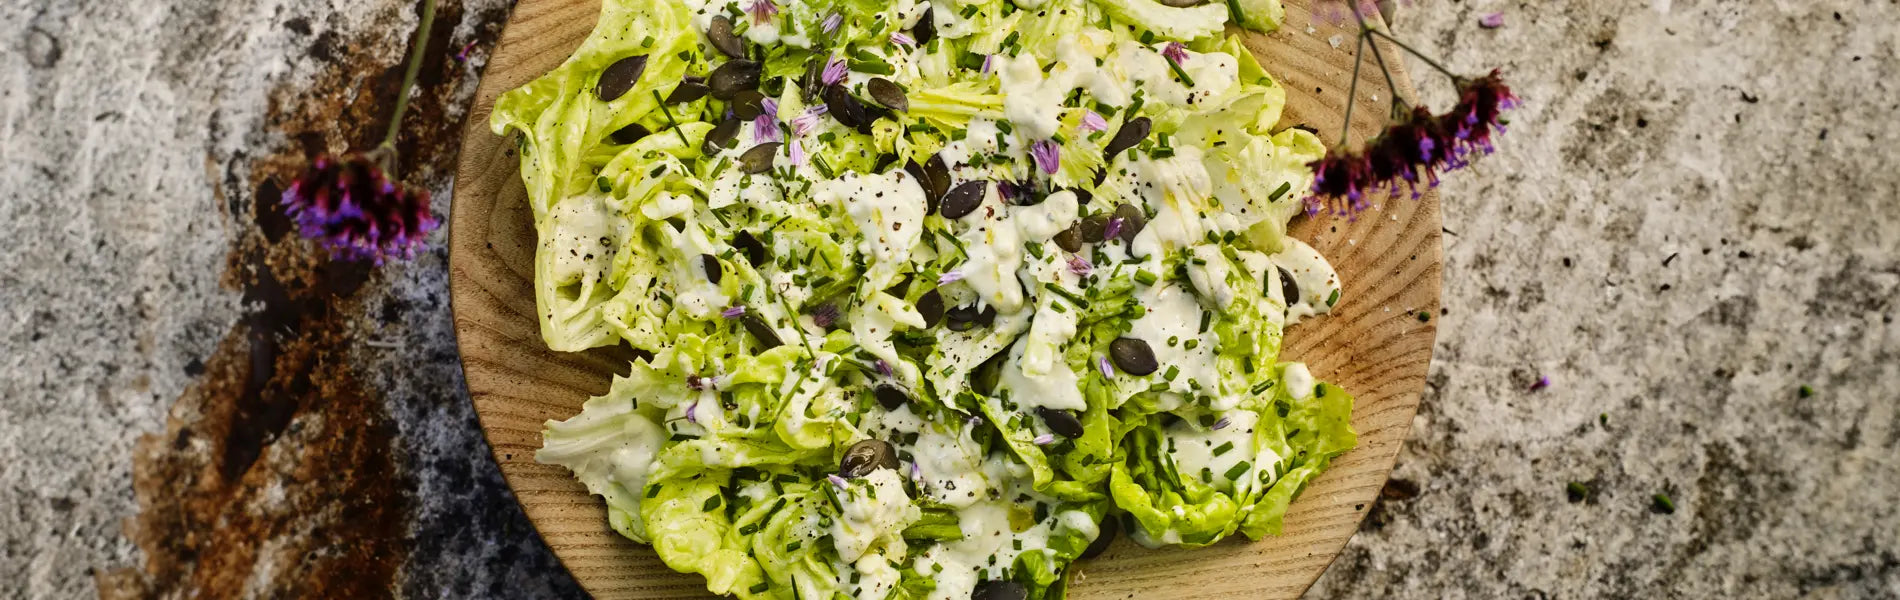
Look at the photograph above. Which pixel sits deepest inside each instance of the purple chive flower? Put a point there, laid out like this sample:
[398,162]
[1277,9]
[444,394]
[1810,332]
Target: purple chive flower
[883,368]
[834,72]
[1093,122]
[974,421]
[1491,21]
[988,61]
[1047,154]
[831,23]
[901,39]
[825,314]
[1114,228]
[1101,362]
[692,411]
[916,473]
[352,208]
[808,120]
[1045,439]
[837,481]
[1542,382]
[769,107]
[733,312]
[462,56]
[762,11]
[1176,52]
[1222,423]
[764,129]
[949,276]
[796,152]
[1079,265]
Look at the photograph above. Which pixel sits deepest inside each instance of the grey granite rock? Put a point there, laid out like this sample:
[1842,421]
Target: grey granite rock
[1696,213]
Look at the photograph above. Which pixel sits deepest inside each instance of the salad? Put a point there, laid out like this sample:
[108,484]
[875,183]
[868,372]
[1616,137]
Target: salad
[932,298]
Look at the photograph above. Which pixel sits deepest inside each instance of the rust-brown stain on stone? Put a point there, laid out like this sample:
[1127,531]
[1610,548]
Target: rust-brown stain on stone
[275,475]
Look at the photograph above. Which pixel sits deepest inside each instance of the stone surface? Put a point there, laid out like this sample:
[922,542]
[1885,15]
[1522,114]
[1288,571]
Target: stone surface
[1693,217]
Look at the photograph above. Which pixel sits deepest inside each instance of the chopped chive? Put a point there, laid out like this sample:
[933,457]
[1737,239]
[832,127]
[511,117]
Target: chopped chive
[1280,191]
[1240,468]
[1577,491]
[1663,504]
[1145,277]
[1223,448]
[760,587]
[712,503]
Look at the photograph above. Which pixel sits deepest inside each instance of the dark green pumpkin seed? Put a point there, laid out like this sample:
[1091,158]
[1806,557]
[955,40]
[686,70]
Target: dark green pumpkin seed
[1105,536]
[753,249]
[1132,221]
[844,107]
[1131,133]
[1289,289]
[963,199]
[1000,590]
[720,137]
[890,397]
[887,94]
[755,325]
[619,77]
[711,265]
[748,104]
[1063,422]
[1070,239]
[722,37]
[629,134]
[689,90]
[1133,356]
[930,305]
[733,77]
[759,158]
[1094,228]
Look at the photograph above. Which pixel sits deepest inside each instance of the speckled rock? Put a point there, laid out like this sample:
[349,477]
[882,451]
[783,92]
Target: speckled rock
[1696,214]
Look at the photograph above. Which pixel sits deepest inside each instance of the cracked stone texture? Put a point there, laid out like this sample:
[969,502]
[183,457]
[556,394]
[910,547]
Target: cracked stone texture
[1693,217]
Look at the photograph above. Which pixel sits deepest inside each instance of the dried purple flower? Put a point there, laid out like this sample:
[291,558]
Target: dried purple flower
[762,11]
[462,56]
[1045,439]
[835,71]
[808,120]
[1413,151]
[1101,362]
[733,312]
[901,39]
[353,208]
[1047,154]
[1542,382]
[883,368]
[1113,229]
[1093,122]
[949,276]
[1491,21]
[1223,423]
[1079,265]
[988,61]
[831,23]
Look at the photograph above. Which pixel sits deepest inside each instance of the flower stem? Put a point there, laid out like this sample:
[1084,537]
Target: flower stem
[1421,56]
[1352,91]
[1390,86]
[414,68]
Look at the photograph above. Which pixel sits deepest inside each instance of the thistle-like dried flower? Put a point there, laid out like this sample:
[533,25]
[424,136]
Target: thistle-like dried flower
[351,207]
[1413,151]
[1175,52]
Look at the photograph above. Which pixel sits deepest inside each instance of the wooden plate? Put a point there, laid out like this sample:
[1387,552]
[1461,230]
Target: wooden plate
[1375,344]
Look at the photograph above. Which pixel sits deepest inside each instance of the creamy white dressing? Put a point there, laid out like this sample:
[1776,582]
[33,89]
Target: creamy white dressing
[1175,314]
[1216,453]
[1318,282]
[872,511]
[581,230]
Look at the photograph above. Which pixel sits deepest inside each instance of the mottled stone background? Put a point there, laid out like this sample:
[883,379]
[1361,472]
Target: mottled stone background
[1696,214]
